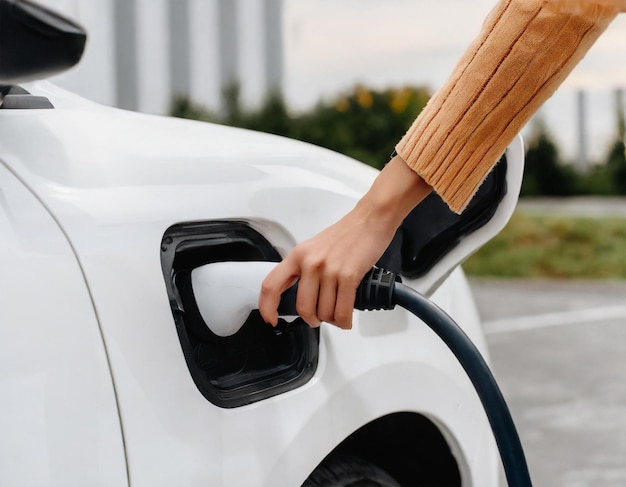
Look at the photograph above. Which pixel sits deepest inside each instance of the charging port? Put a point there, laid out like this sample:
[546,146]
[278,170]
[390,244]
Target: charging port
[258,361]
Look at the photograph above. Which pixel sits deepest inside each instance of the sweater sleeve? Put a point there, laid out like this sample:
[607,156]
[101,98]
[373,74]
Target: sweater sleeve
[525,50]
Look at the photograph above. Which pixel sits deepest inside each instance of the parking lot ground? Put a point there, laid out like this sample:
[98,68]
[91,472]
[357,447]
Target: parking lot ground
[558,351]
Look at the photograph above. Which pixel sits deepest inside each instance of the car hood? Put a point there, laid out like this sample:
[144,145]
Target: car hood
[88,161]
[81,144]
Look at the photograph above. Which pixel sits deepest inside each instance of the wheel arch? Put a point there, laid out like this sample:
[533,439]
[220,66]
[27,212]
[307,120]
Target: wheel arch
[408,446]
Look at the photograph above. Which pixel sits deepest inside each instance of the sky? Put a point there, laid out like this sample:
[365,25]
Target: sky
[331,45]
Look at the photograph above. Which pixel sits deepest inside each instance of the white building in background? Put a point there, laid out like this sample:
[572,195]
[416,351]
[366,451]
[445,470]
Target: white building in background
[141,53]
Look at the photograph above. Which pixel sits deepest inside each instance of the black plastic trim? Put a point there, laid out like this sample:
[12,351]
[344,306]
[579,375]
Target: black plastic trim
[223,368]
[13,90]
[25,102]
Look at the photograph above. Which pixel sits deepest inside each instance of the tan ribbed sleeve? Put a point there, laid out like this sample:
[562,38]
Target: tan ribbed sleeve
[524,52]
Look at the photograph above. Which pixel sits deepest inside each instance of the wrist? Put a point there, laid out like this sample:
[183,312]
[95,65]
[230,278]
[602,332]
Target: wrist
[394,193]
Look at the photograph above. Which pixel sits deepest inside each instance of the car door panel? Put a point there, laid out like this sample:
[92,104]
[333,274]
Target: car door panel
[59,423]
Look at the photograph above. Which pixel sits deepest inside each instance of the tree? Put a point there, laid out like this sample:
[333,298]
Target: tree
[616,167]
[544,174]
[616,160]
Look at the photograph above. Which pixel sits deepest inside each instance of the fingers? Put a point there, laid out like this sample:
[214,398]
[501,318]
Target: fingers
[306,301]
[320,286]
[344,307]
[336,299]
[323,295]
[298,264]
[281,278]
[327,299]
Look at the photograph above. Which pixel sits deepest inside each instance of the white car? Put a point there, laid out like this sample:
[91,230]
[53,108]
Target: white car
[110,376]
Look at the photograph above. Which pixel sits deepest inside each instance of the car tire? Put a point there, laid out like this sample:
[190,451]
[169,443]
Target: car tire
[349,472]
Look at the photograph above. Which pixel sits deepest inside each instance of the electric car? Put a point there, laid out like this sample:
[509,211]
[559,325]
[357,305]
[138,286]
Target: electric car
[109,373]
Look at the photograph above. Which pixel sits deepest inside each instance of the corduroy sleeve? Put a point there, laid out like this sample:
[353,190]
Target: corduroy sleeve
[525,50]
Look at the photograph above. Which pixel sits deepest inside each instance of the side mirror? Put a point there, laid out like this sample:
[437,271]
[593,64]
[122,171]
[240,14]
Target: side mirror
[35,42]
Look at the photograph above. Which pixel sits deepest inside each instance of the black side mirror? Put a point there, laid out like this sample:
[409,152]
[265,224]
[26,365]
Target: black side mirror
[35,42]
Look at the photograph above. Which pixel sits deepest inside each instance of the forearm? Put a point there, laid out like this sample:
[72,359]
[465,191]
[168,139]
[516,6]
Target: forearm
[523,53]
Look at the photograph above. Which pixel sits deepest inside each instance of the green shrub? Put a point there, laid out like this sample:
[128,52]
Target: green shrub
[554,247]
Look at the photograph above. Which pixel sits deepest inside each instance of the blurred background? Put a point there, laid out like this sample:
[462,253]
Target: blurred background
[352,75]
[349,75]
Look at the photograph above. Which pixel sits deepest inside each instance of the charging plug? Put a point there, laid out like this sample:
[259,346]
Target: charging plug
[227,292]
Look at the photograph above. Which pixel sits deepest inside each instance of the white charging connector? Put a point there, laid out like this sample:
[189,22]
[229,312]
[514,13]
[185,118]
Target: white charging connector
[226,293]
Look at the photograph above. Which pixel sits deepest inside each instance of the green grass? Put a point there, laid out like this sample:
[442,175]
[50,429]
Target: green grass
[554,247]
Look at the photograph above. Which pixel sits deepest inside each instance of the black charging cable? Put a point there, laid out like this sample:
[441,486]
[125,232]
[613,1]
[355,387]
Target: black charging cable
[381,289]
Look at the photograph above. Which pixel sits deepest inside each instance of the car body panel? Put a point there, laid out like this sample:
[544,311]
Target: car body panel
[59,420]
[116,181]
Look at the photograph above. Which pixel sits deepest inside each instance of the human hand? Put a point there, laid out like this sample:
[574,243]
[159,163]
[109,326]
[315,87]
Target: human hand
[329,268]
[330,265]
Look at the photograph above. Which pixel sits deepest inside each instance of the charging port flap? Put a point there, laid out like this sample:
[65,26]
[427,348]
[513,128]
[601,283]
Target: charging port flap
[433,240]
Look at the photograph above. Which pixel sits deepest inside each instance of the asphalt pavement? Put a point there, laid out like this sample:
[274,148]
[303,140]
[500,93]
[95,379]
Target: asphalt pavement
[558,351]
